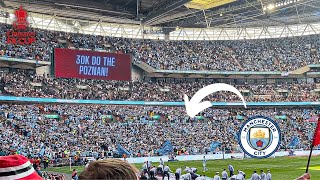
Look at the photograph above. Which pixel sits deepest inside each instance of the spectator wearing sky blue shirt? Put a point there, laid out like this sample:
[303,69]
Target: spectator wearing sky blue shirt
[166,171]
[255,176]
[269,176]
[263,175]
[85,135]
[216,177]
[224,175]
[231,169]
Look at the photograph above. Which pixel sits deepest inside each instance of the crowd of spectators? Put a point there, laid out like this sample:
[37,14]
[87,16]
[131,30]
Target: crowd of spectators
[31,85]
[283,54]
[95,130]
[40,50]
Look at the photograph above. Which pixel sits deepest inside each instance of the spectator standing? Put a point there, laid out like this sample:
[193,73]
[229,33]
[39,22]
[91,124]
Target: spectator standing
[204,164]
[241,172]
[161,162]
[166,172]
[240,176]
[224,175]
[268,176]
[178,173]
[39,172]
[216,177]
[263,175]
[74,174]
[231,169]
[255,176]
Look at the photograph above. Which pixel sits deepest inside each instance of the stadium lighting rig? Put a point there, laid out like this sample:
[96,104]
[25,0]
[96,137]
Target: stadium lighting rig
[273,6]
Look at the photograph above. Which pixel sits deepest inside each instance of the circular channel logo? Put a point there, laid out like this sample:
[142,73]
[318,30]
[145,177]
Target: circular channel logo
[259,137]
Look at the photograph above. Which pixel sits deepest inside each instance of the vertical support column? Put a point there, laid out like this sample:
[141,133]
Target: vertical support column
[95,29]
[6,18]
[167,36]
[137,8]
[142,29]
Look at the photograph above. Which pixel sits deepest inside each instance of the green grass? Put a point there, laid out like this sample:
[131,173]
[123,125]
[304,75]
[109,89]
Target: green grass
[282,168]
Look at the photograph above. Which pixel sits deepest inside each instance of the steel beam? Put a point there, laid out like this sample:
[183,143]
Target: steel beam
[164,10]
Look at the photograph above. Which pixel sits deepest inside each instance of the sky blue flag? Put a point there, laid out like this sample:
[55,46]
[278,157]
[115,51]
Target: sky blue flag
[294,142]
[166,148]
[214,145]
[240,117]
[42,151]
[122,150]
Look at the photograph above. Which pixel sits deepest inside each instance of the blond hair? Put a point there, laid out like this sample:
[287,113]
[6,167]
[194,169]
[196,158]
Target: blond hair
[109,169]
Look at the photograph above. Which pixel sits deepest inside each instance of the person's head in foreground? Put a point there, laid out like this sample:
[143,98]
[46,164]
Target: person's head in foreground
[306,176]
[17,167]
[109,169]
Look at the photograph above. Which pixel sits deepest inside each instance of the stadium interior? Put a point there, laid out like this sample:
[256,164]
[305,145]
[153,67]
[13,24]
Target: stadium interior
[267,49]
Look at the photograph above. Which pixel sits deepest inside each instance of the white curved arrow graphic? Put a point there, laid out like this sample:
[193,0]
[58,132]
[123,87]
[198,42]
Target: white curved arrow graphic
[193,107]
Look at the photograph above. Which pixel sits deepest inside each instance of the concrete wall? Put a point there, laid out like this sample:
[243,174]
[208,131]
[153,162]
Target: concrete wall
[136,73]
[43,69]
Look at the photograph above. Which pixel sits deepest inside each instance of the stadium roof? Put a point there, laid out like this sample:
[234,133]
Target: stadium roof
[181,13]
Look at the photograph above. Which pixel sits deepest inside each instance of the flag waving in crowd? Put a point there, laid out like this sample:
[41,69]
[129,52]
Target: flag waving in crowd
[316,138]
[315,142]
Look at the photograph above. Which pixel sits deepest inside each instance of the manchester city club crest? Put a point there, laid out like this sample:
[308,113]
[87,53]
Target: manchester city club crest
[259,137]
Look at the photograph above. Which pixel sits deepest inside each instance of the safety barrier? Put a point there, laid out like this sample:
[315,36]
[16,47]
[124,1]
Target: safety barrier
[213,156]
[153,103]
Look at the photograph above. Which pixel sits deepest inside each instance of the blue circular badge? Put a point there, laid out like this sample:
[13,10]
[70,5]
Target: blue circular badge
[259,137]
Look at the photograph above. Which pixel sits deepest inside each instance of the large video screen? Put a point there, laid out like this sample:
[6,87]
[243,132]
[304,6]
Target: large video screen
[70,63]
